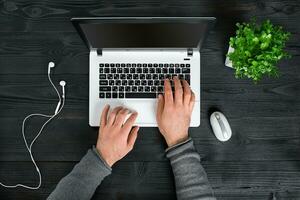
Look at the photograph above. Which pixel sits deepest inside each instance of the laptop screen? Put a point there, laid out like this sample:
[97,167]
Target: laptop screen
[136,34]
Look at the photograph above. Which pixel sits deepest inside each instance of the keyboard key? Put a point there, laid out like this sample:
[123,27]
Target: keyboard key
[156,82]
[118,82]
[130,82]
[145,70]
[122,76]
[188,65]
[137,82]
[129,76]
[101,70]
[115,88]
[148,76]
[113,70]
[126,70]
[101,95]
[147,89]
[112,64]
[132,70]
[118,65]
[106,65]
[143,82]
[139,70]
[160,65]
[111,82]
[153,89]
[105,88]
[142,76]
[101,65]
[128,65]
[122,65]
[124,82]
[150,82]
[181,65]
[152,70]
[158,70]
[109,76]
[186,70]
[135,76]
[108,95]
[155,65]
[127,88]
[103,82]
[121,88]
[177,70]
[165,70]
[140,88]
[140,95]
[121,95]
[171,70]
[102,76]
[116,76]
[154,76]
[114,95]
[134,89]
[120,70]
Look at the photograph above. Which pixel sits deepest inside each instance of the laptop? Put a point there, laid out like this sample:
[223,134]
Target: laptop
[131,56]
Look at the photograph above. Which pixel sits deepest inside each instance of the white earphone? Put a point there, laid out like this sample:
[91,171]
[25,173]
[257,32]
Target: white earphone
[59,107]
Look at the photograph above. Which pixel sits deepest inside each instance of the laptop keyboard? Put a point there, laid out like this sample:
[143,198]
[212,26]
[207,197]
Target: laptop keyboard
[138,80]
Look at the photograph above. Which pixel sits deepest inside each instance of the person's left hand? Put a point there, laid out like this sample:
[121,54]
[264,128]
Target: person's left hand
[116,139]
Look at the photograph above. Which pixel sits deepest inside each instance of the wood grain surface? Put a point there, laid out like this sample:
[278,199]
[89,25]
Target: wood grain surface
[261,161]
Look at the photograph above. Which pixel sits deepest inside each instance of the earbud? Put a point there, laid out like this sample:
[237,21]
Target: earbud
[50,65]
[63,83]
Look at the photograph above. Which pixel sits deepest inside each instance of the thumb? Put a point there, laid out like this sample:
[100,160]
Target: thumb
[132,136]
[160,106]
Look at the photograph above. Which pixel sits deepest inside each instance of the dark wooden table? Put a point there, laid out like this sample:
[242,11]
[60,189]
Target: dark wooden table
[261,160]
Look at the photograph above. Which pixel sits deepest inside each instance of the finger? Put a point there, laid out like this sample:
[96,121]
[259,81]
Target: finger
[160,106]
[103,119]
[168,92]
[120,117]
[132,136]
[112,115]
[178,90]
[130,122]
[187,93]
[192,102]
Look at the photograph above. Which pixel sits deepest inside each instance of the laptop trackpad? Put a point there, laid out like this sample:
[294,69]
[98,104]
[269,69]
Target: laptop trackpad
[146,109]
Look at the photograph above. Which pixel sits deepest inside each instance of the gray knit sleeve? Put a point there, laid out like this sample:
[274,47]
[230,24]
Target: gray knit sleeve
[190,178]
[83,180]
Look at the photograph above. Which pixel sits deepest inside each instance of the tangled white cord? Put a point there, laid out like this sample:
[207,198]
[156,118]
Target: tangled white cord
[59,107]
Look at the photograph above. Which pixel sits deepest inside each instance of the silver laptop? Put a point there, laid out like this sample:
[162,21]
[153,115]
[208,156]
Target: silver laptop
[130,58]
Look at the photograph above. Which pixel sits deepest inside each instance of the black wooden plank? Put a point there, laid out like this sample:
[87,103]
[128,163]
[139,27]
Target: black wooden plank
[54,15]
[68,139]
[153,180]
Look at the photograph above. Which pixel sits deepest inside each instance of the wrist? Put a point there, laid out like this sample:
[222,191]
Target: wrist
[174,141]
[109,161]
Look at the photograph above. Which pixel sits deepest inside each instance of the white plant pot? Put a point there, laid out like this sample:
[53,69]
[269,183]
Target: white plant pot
[228,62]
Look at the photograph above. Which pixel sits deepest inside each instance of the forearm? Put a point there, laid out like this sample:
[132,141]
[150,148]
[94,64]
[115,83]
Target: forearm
[83,180]
[190,178]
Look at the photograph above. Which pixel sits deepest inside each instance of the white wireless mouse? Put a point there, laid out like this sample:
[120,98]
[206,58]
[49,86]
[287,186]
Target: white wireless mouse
[220,126]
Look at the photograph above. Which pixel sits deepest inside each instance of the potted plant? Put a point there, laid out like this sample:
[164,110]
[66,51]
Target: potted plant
[256,49]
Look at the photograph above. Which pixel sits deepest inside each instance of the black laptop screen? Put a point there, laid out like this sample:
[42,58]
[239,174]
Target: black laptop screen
[143,35]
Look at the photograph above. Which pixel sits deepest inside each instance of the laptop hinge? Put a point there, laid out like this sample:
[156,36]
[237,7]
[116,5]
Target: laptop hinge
[99,52]
[189,52]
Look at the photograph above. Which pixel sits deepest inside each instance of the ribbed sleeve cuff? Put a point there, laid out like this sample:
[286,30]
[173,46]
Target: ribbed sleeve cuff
[181,148]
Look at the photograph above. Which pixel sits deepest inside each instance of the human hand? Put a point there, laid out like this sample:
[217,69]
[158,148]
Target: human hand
[174,113]
[116,139]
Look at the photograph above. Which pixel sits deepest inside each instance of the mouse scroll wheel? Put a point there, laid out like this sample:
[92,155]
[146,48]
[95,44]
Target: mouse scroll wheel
[217,116]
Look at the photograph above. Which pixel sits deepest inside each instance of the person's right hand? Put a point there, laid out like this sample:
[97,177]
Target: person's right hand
[174,113]
[116,138]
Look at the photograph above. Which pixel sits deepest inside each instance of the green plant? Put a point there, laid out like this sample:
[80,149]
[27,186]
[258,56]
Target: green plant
[257,49]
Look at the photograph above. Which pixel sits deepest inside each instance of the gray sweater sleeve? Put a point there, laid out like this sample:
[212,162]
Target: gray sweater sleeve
[83,180]
[190,178]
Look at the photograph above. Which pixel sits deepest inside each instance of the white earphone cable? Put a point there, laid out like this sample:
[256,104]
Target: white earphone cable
[29,147]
